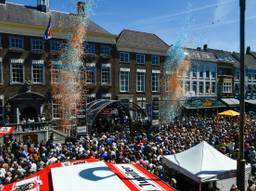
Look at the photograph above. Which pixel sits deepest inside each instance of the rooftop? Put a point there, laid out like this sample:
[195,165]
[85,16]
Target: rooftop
[20,14]
[141,41]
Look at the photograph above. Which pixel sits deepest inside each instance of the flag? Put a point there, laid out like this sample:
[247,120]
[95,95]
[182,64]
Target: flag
[6,131]
[48,31]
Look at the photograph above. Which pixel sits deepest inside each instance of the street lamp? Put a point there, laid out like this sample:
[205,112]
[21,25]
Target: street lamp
[241,160]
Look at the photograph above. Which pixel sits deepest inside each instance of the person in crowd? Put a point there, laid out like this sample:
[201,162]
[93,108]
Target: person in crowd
[21,159]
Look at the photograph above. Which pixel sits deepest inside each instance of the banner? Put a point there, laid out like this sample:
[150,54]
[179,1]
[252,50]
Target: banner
[6,131]
[92,175]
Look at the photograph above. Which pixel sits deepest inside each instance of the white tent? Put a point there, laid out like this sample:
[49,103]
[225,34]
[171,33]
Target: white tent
[202,163]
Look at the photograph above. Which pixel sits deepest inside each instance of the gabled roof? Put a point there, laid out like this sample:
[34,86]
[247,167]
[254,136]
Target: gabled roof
[201,163]
[250,61]
[15,13]
[141,41]
[202,55]
[223,56]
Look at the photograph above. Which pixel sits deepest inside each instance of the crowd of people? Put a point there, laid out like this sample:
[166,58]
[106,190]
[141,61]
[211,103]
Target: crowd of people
[18,160]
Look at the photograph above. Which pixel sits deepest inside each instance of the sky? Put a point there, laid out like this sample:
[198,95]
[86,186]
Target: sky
[197,22]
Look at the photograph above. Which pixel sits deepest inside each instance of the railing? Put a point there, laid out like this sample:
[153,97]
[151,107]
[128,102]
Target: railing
[30,127]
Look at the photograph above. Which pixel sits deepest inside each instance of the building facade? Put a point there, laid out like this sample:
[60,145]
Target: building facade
[30,65]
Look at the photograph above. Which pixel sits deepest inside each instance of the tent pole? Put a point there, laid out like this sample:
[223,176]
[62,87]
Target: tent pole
[200,187]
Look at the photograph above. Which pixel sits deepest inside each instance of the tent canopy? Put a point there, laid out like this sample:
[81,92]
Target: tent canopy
[230,113]
[201,163]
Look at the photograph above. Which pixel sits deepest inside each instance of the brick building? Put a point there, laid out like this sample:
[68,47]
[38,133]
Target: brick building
[28,63]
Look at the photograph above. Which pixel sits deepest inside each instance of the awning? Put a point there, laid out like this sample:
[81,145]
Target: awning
[251,101]
[203,103]
[231,101]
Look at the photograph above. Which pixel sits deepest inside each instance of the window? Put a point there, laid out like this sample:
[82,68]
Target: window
[249,77]
[105,74]
[1,108]
[197,55]
[90,97]
[140,58]
[155,60]
[124,80]
[17,71]
[213,75]
[254,78]
[227,87]
[201,74]
[187,86]
[55,45]
[141,101]
[155,81]
[201,87]
[91,73]
[55,71]
[37,44]
[38,71]
[194,72]
[1,70]
[140,81]
[195,87]
[249,89]
[90,48]
[213,87]
[124,57]
[106,96]
[105,50]
[207,74]
[16,42]
[207,87]
[237,75]
[56,110]
[237,89]
[1,45]
[155,108]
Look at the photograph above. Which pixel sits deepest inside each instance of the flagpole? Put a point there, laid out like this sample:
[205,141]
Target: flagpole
[241,160]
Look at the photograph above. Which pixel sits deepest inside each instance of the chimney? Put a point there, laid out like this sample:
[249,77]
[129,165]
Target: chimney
[205,46]
[43,5]
[2,1]
[248,50]
[80,7]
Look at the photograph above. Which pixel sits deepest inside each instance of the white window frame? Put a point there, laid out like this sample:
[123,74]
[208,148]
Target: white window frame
[37,40]
[109,67]
[57,63]
[17,38]
[140,59]
[155,72]
[128,57]
[17,61]
[54,117]
[158,60]
[209,90]
[139,85]
[128,88]
[227,87]
[142,101]
[106,96]
[34,63]
[92,97]
[91,66]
